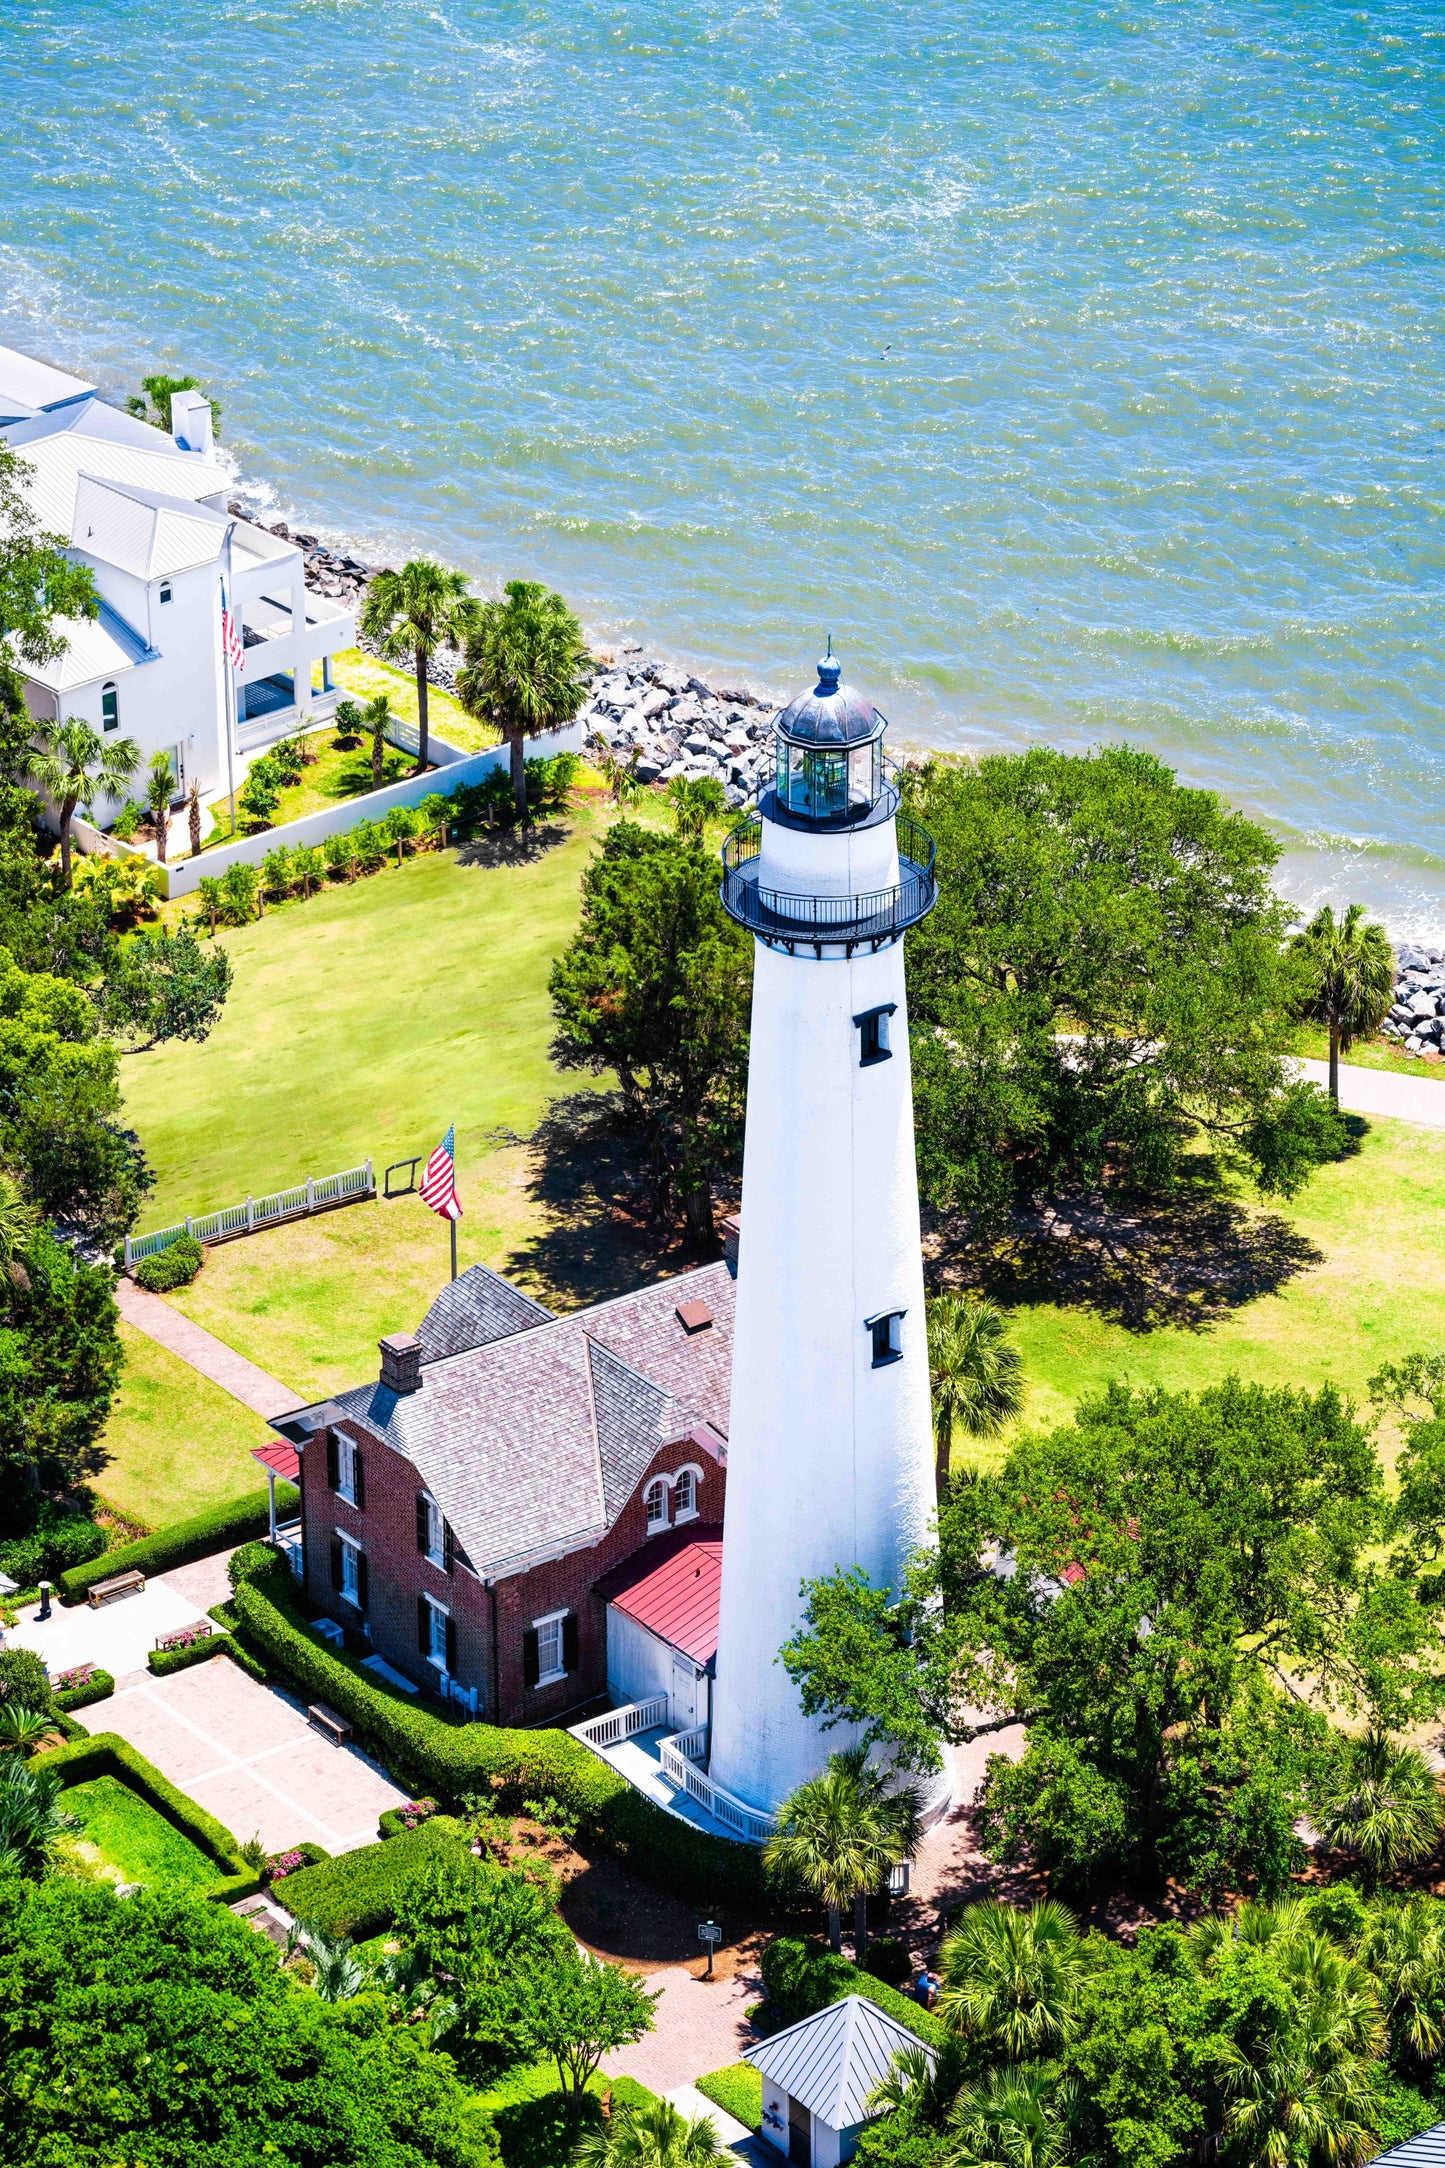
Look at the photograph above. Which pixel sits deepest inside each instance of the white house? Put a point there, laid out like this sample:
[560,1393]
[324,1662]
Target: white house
[818,2076]
[147,513]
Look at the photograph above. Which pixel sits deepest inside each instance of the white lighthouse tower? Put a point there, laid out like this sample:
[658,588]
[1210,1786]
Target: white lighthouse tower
[830,1459]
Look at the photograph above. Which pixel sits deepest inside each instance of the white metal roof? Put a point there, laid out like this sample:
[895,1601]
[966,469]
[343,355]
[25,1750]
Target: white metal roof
[95,648]
[144,531]
[1425,2151]
[84,440]
[832,2060]
[28,387]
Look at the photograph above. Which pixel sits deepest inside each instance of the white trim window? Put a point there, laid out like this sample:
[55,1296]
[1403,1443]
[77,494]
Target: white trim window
[346,1468]
[684,1494]
[436,1542]
[655,1500]
[437,1617]
[551,1664]
[350,1569]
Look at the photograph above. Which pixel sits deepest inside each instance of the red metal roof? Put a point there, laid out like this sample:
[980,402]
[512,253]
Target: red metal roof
[283,1458]
[672,1586]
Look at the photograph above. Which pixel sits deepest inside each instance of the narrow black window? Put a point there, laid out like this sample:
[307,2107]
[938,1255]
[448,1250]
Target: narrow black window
[109,708]
[873,1035]
[887,1331]
[165,590]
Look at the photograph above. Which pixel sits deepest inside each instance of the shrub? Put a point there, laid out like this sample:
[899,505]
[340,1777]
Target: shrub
[162,1662]
[250,1558]
[278,875]
[368,841]
[279,1865]
[24,1679]
[241,894]
[887,1960]
[260,794]
[216,1530]
[340,855]
[357,1894]
[450,1760]
[400,827]
[174,1266]
[56,1540]
[126,825]
[395,1821]
[801,1976]
[288,756]
[738,2091]
[308,866]
[349,724]
[98,1687]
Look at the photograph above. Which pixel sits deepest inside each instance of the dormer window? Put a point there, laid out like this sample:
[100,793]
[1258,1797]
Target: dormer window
[109,708]
[873,1035]
[684,1495]
[165,590]
[887,1331]
[655,1500]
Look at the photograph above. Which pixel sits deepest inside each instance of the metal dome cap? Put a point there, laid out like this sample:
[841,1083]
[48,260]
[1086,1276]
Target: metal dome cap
[832,713]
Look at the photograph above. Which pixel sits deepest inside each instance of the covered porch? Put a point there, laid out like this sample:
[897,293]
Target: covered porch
[284,1461]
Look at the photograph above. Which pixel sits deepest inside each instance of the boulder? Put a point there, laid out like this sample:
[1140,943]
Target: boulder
[683,713]
[648,768]
[653,702]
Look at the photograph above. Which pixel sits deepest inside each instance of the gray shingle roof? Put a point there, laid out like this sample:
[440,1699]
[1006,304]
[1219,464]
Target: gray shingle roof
[533,1442]
[475,1309]
[832,2060]
[1427,2150]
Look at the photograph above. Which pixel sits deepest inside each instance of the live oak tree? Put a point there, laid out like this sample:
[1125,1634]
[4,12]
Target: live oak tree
[1105,977]
[1148,1588]
[164,986]
[656,986]
[60,1365]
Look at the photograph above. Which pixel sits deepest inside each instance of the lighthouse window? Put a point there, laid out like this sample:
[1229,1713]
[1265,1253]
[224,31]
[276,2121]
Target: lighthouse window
[873,1035]
[887,1331]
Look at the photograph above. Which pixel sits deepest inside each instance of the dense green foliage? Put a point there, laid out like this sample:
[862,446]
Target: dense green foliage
[163,2030]
[449,1761]
[655,988]
[1140,1586]
[801,1975]
[53,1540]
[163,986]
[174,1266]
[60,1363]
[98,1687]
[357,1893]
[526,670]
[197,1537]
[738,2090]
[162,1662]
[106,1754]
[1105,972]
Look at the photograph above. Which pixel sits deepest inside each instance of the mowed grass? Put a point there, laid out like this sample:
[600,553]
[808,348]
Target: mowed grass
[131,1842]
[178,1444]
[1378,1220]
[364,677]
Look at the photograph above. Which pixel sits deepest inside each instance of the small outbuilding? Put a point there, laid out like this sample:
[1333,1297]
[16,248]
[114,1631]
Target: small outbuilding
[818,2076]
[1426,2150]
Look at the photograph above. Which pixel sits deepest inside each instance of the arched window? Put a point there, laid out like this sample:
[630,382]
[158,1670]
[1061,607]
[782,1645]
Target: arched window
[109,708]
[684,1494]
[655,1499]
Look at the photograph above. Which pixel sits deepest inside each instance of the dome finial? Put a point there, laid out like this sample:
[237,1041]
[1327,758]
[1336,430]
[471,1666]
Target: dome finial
[830,670]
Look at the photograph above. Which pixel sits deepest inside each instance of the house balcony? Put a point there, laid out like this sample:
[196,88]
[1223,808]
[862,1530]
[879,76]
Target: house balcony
[669,1767]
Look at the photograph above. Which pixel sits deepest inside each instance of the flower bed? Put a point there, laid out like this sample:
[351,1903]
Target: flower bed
[395,1821]
[281,1864]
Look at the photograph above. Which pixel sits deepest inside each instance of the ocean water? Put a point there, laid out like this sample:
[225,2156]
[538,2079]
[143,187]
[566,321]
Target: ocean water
[1079,367]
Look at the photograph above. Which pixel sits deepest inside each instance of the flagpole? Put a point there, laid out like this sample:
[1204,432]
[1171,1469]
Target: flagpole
[453,1225]
[226,599]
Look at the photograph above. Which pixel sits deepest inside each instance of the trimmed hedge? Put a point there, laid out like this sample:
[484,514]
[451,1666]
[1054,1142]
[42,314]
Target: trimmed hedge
[801,1975]
[236,1521]
[106,1754]
[356,1893]
[398,1821]
[447,1760]
[99,1687]
[738,2091]
[162,1662]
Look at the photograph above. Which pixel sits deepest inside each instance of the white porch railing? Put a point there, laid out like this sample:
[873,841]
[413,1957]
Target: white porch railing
[601,1732]
[288,1540]
[315,1194]
[680,1757]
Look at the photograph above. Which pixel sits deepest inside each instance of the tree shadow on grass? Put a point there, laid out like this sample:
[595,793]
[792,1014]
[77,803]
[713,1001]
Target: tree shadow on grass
[1187,1260]
[600,1235]
[512,846]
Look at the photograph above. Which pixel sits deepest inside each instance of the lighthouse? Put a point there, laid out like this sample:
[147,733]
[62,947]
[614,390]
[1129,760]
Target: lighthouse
[830,1460]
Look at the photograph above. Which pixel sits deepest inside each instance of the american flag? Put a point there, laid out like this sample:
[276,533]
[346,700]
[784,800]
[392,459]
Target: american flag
[231,645]
[439,1183]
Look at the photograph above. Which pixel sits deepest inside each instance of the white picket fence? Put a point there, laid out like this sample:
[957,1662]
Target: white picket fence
[315,1194]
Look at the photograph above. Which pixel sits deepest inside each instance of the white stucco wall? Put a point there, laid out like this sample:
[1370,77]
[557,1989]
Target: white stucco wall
[830,1460]
[638,1664]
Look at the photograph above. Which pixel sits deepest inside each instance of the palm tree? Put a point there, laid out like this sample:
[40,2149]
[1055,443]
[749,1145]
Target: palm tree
[927,2080]
[160,787]
[339,1972]
[839,1836]
[193,813]
[1305,2092]
[1404,1953]
[1352,973]
[655,2136]
[1383,1805]
[1008,2122]
[18,1222]
[374,717]
[1009,1974]
[524,670]
[977,1377]
[74,766]
[158,412]
[30,1819]
[21,1729]
[411,613]
[899,1815]
[619,775]
[695,800]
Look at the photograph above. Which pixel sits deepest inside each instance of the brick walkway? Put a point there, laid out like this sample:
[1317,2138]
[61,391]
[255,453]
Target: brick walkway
[243,1380]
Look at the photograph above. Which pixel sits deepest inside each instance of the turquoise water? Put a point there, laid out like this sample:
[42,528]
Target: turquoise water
[1079,367]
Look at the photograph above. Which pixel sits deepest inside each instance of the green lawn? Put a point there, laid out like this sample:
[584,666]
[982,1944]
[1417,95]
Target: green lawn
[336,774]
[534,2129]
[178,1444]
[363,677]
[1381,1053]
[130,1841]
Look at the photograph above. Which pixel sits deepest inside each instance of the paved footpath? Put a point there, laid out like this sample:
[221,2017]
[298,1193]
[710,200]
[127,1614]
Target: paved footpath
[1384,1091]
[699,2025]
[243,1380]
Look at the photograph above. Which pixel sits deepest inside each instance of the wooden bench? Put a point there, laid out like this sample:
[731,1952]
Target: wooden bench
[124,1584]
[338,1729]
[183,1637]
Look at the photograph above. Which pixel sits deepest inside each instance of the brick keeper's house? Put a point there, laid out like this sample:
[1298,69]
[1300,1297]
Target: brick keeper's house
[523,1513]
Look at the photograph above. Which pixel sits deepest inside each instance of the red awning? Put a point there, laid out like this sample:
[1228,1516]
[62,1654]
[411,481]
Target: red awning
[672,1586]
[283,1459]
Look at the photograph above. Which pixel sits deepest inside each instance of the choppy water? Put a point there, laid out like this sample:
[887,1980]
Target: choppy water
[1078,366]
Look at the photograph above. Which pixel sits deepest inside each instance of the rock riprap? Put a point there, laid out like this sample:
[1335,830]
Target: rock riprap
[668,723]
[1417,1015]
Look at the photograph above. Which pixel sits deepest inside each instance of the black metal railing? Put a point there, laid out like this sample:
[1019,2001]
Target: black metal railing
[792,921]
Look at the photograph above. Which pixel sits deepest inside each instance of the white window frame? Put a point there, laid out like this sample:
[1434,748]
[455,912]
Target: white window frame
[436,1539]
[346,1467]
[662,1485]
[690,1512]
[350,1570]
[437,1630]
[550,1626]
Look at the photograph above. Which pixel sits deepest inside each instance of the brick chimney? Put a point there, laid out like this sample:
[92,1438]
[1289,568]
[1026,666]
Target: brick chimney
[401,1362]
